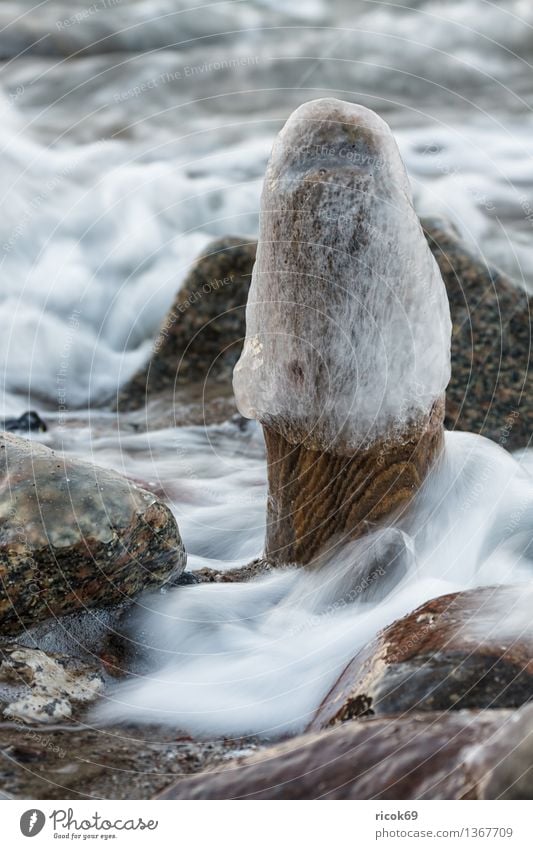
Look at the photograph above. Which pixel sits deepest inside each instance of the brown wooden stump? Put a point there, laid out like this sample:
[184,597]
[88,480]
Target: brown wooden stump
[317,498]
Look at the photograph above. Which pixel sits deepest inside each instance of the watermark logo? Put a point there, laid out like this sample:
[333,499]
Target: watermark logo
[32,822]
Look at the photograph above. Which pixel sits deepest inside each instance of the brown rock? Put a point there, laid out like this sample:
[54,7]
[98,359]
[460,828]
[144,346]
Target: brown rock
[459,755]
[74,535]
[452,652]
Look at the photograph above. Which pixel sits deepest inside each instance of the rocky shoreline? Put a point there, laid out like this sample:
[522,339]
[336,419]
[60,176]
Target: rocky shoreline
[80,762]
[434,707]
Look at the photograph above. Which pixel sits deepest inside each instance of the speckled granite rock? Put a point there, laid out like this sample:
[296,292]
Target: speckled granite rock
[73,535]
[460,755]
[491,389]
[462,650]
[201,336]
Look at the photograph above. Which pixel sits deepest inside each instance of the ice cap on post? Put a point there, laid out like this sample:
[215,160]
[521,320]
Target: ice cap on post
[347,350]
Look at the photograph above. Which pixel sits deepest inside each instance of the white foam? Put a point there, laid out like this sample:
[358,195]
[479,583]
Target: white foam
[258,657]
[109,190]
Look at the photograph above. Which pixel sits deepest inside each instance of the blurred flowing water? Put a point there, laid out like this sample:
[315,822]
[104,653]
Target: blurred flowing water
[258,657]
[134,132]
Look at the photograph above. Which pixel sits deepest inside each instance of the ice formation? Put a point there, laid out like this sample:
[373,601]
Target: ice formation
[348,325]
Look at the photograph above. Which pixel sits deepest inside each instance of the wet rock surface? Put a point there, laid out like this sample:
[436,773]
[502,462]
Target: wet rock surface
[452,652]
[201,336]
[74,535]
[459,755]
[492,374]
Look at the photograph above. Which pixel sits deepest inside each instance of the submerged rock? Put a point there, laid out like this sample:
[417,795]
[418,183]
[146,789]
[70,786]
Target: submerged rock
[459,755]
[74,535]
[38,687]
[462,650]
[201,336]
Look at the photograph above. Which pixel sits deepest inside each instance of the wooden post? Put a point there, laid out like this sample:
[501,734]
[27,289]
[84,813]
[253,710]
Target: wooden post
[347,350]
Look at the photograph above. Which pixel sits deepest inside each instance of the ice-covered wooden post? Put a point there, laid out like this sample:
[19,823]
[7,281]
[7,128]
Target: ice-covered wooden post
[347,350]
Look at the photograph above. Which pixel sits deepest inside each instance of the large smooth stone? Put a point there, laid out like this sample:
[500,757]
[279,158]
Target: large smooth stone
[452,652]
[74,535]
[459,755]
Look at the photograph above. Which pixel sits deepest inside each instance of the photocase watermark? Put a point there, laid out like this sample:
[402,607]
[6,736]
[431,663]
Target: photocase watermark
[35,205]
[527,209]
[507,427]
[417,637]
[48,188]
[32,822]
[188,471]
[349,154]
[66,820]
[346,153]
[66,824]
[19,541]
[84,14]
[186,72]
[314,619]
[220,65]
[40,739]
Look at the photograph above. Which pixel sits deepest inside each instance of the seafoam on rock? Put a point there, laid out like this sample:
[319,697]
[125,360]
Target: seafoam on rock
[347,323]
